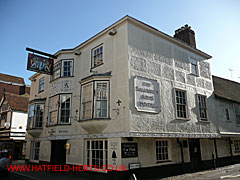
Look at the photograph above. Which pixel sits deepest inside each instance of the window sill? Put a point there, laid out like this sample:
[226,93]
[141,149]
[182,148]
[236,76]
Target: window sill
[83,120]
[238,151]
[159,162]
[182,119]
[40,91]
[197,75]
[52,125]
[204,121]
[96,66]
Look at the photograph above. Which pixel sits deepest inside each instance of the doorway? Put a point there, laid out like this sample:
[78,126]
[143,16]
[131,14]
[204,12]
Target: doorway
[58,152]
[195,154]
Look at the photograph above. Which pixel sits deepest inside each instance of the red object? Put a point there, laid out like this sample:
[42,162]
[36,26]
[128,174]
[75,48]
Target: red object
[10,157]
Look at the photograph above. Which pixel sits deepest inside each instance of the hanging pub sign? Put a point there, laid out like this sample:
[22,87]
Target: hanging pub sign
[39,64]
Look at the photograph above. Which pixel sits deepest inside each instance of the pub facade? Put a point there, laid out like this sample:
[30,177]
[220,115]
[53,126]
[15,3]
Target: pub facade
[132,96]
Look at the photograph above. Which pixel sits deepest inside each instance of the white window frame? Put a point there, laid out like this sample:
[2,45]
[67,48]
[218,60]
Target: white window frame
[236,145]
[33,115]
[93,100]
[160,150]
[194,64]
[227,114]
[71,68]
[237,115]
[101,100]
[35,149]
[90,150]
[202,105]
[62,96]
[176,104]
[97,52]
[41,84]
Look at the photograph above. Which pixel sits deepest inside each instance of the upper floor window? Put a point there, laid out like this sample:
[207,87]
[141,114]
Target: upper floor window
[202,105]
[227,114]
[162,150]
[95,99]
[65,109]
[35,116]
[3,120]
[181,104]
[97,56]
[67,68]
[41,84]
[194,66]
[237,112]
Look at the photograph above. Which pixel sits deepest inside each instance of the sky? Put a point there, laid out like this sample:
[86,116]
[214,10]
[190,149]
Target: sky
[51,25]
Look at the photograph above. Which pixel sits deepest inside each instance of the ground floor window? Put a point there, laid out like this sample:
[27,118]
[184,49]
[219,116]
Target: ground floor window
[97,153]
[162,150]
[35,147]
[237,145]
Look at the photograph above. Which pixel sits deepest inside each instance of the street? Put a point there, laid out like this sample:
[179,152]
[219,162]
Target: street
[13,177]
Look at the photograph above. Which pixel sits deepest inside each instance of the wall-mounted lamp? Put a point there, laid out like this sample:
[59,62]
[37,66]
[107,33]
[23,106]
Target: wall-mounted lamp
[112,32]
[77,53]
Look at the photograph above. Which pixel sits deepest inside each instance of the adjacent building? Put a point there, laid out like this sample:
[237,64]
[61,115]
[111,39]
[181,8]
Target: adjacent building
[130,95]
[14,97]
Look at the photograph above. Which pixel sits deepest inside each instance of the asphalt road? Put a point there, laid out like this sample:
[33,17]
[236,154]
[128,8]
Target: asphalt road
[12,177]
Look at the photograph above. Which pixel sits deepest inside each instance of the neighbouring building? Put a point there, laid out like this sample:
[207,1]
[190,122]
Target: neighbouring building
[130,95]
[14,97]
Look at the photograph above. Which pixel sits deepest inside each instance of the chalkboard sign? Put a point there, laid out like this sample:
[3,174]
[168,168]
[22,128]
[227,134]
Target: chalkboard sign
[129,150]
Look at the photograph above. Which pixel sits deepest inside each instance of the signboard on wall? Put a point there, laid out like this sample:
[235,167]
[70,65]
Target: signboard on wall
[129,150]
[147,96]
[39,64]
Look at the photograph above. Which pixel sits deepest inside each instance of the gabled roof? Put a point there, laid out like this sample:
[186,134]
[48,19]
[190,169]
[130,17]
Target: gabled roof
[226,89]
[142,24]
[11,79]
[17,102]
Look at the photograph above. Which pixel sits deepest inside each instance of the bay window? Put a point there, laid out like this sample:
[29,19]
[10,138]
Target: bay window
[35,116]
[95,100]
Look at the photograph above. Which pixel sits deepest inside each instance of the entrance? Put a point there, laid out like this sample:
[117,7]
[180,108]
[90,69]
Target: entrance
[195,154]
[58,152]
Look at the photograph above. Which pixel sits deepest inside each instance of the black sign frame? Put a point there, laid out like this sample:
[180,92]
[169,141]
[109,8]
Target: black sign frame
[129,150]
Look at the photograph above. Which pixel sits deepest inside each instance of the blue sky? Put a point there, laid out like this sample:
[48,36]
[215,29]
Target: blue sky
[51,25]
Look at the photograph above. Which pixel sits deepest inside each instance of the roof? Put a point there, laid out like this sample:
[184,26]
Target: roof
[13,79]
[226,89]
[17,102]
[129,18]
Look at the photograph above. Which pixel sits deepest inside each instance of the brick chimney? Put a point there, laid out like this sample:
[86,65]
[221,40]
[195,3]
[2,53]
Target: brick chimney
[186,34]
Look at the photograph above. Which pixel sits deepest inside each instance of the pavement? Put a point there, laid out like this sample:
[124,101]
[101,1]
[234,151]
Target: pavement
[231,172]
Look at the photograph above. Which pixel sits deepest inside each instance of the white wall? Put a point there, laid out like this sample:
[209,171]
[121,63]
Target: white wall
[19,119]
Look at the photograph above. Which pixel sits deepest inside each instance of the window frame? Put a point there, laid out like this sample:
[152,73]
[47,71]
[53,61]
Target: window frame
[33,151]
[93,100]
[60,109]
[41,85]
[62,67]
[168,151]
[192,64]
[92,56]
[227,114]
[237,115]
[199,108]
[89,152]
[32,119]
[236,144]
[186,104]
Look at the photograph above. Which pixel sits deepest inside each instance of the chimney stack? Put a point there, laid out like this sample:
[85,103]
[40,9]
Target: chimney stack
[186,34]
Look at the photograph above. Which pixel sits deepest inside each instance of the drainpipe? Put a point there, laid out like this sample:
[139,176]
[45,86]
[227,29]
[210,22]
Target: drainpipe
[182,155]
[216,153]
[230,145]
